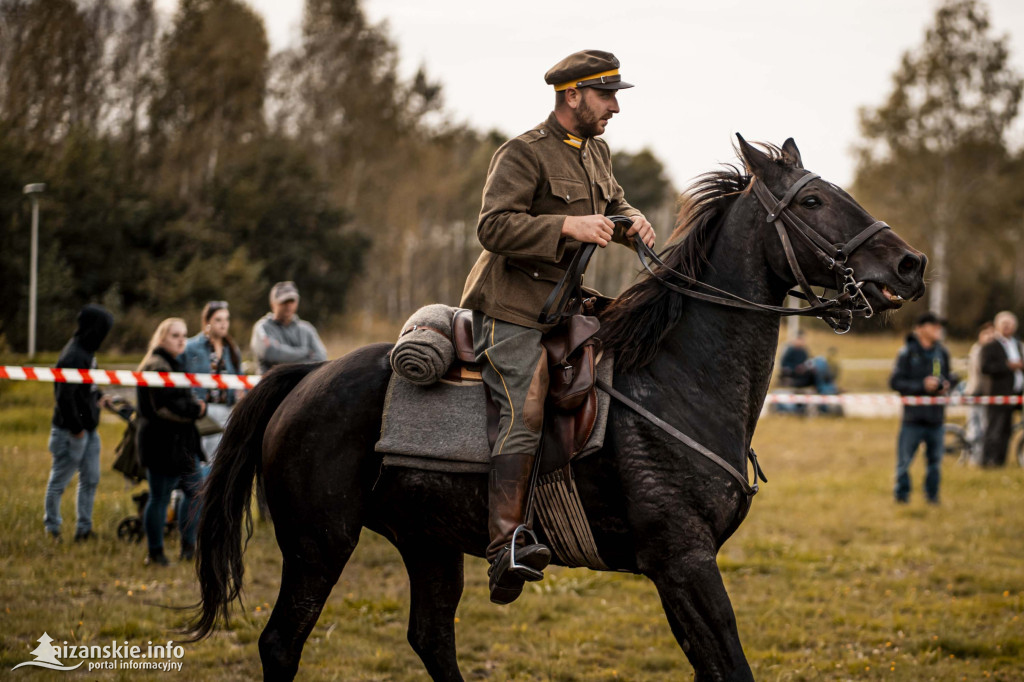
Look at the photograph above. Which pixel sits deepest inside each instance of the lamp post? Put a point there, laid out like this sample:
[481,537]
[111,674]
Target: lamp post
[793,322]
[33,191]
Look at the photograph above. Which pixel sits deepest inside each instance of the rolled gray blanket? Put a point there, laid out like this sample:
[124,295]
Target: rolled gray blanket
[424,350]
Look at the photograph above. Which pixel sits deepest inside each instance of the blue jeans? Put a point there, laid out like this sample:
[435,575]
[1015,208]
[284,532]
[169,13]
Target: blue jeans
[154,517]
[977,420]
[912,435]
[824,384]
[72,454]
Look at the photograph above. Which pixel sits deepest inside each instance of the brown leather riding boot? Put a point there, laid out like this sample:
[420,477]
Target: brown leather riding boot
[507,491]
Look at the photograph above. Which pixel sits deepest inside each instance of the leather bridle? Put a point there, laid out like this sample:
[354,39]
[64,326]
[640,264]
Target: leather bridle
[838,312]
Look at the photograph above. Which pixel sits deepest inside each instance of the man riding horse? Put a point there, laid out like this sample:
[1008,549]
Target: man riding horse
[548,191]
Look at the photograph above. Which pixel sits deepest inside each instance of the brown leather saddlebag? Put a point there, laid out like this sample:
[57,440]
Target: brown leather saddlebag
[572,355]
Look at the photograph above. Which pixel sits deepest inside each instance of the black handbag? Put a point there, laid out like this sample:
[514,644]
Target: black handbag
[127,460]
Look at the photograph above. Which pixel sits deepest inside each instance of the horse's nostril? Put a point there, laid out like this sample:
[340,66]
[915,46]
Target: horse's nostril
[909,265]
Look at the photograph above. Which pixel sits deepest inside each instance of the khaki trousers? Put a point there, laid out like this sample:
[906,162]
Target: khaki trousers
[514,367]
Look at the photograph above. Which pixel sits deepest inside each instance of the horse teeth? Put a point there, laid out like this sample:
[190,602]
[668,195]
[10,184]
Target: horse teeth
[891,296]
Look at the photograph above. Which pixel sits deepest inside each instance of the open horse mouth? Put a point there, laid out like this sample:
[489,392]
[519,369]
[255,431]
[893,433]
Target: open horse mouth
[887,297]
[887,284]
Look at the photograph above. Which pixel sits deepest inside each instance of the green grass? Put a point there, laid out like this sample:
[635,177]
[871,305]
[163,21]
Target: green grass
[828,578]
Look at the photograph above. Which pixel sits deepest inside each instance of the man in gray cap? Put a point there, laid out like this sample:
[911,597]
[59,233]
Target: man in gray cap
[280,336]
[548,192]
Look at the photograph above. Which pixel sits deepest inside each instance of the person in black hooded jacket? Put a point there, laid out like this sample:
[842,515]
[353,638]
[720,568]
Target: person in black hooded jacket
[922,369]
[168,444]
[74,443]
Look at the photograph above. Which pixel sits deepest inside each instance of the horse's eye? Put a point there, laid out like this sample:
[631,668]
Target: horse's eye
[810,202]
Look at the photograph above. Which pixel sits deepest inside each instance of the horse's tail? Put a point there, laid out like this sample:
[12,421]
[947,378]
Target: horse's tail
[226,497]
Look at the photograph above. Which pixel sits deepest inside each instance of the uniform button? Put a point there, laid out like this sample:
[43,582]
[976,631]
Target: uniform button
[567,197]
[543,132]
[536,274]
[584,155]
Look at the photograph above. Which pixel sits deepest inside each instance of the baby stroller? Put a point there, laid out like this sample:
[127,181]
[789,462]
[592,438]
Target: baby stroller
[130,528]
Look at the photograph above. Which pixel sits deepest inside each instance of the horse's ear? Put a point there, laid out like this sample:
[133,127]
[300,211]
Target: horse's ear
[758,163]
[792,153]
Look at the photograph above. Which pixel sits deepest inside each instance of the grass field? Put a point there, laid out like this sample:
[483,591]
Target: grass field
[829,579]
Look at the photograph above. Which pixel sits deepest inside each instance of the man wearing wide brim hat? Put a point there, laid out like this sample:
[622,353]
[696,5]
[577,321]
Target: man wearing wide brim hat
[548,192]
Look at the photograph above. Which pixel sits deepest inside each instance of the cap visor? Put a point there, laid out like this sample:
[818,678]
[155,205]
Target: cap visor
[620,85]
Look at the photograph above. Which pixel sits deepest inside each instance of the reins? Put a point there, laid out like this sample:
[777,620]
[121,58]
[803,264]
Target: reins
[838,312]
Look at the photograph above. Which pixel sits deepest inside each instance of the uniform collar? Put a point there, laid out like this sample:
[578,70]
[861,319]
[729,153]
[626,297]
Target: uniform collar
[558,130]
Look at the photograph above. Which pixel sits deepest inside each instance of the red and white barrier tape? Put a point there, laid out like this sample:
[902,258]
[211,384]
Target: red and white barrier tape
[124,377]
[890,399]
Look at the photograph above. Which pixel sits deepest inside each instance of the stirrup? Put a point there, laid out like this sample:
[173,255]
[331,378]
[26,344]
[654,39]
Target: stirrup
[526,572]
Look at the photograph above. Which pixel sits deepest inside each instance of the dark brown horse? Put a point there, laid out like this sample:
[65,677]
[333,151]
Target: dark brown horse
[655,505]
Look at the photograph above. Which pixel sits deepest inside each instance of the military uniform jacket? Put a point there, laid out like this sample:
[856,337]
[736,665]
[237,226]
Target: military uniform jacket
[534,182]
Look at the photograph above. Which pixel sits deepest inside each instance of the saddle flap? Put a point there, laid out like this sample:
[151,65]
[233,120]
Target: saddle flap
[566,433]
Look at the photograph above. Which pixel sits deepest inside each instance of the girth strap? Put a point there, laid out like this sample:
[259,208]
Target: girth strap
[741,478]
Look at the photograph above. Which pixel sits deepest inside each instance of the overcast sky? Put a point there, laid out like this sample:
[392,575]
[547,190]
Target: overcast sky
[768,69]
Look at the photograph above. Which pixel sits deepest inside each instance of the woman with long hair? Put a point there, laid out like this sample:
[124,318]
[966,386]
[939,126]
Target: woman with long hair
[213,351]
[168,444]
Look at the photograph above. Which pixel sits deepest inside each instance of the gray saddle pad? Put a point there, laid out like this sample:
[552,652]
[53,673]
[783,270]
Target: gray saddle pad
[443,427]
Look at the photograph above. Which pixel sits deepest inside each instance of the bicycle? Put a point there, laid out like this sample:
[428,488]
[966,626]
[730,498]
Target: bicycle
[955,442]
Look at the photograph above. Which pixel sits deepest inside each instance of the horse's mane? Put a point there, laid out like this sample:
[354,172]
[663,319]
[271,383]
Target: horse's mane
[634,325]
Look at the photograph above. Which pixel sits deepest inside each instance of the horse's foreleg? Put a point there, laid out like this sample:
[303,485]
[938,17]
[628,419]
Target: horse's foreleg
[436,581]
[701,616]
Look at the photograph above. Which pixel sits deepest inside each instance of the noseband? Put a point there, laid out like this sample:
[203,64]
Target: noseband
[838,312]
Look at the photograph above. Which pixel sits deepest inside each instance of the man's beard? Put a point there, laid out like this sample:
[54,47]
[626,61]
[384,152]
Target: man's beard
[587,121]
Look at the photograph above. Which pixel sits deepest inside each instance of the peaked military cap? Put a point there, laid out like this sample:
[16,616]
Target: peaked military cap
[587,69]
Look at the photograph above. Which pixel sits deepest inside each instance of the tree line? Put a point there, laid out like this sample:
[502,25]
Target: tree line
[185,162]
[936,162]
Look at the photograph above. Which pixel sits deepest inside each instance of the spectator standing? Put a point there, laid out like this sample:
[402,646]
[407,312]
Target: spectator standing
[74,443]
[800,370]
[1001,363]
[977,384]
[213,351]
[168,444]
[922,369]
[280,336]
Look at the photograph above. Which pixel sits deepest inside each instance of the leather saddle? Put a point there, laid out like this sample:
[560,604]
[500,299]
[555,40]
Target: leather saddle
[570,405]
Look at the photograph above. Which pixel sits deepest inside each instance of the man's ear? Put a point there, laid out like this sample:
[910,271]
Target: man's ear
[573,96]
[758,163]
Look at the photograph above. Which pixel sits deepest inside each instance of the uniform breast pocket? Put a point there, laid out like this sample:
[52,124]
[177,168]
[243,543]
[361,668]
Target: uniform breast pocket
[574,193]
[607,186]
